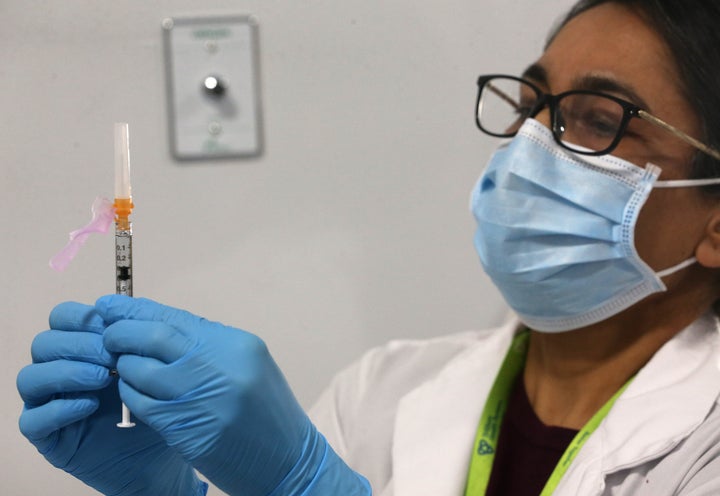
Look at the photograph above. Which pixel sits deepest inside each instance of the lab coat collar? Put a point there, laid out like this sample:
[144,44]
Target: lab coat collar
[668,399]
[436,423]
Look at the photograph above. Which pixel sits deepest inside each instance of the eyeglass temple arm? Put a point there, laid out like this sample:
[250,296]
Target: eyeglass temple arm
[684,137]
[504,96]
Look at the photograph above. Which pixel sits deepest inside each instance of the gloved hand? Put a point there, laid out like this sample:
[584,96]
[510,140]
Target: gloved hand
[215,394]
[72,408]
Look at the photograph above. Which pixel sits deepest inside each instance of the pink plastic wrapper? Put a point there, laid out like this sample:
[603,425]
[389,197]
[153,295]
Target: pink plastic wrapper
[103,215]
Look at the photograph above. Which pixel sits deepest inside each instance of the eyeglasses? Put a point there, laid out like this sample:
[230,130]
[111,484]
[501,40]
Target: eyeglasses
[585,122]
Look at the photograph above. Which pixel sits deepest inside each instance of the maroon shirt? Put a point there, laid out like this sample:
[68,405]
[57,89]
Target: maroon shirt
[527,449]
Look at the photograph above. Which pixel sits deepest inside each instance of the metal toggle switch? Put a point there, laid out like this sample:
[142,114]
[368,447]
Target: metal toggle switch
[214,86]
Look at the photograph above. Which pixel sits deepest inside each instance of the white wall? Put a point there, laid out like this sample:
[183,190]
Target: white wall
[351,229]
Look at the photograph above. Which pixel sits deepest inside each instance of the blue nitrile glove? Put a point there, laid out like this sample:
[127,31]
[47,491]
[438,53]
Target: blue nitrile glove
[216,395]
[72,408]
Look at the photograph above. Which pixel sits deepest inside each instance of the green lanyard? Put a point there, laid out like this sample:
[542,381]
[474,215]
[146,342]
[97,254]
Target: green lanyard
[492,416]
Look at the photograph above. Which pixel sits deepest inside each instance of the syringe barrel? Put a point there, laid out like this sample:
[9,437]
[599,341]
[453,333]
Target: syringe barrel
[123,262]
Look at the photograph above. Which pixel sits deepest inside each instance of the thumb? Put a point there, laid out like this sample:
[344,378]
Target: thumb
[113,308]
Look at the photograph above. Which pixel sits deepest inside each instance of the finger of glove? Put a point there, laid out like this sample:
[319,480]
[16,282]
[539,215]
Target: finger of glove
[88,347]
[149,339]
[38,423]
[118,307]
[181,427]
[37,383]
[72,316]
[154,378]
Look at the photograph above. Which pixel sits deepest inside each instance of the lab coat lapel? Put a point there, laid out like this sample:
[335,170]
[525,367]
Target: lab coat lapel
[436,423]
[667,400]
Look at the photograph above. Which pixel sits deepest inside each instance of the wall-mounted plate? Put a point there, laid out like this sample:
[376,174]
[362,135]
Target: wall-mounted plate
[213,87]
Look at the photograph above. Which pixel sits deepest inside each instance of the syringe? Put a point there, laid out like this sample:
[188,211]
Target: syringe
[123,227]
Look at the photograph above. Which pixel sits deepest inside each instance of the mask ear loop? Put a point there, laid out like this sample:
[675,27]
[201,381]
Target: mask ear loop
[686,183]
[676,268]
[683,183]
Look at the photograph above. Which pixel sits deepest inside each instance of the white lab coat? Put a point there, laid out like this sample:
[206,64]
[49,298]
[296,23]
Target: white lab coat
[406,414]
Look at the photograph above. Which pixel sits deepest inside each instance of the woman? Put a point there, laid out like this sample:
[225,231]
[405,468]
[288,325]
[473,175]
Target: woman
[593,221]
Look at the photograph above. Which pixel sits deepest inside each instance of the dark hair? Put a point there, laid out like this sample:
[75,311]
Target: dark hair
[691,30]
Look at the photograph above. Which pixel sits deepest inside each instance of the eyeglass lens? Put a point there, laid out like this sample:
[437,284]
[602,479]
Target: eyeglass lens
[583,122]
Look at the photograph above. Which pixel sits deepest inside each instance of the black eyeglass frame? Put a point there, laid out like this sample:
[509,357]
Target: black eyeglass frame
[630,110]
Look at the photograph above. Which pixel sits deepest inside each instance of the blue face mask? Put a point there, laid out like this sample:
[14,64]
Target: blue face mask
[555,231]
